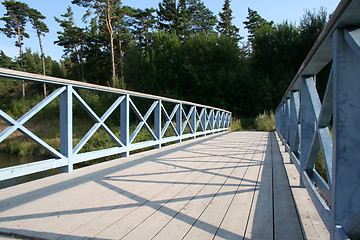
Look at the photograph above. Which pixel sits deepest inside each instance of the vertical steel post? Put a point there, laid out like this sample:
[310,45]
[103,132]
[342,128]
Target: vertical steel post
[287,121]
[66,127]
[212,120]
[204,120]
[294,120]
[345,200]
[179,122]
[157,123]
[193,121]
[125,124]
[307,121]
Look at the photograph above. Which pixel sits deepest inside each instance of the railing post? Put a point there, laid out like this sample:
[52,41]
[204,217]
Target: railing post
[294,121]
[212,120]
[283,122]
[345,204]
[308,121]
[157,123]
[179,122]
[66,127]
[125,124]
[287,122]
[193,121]
[204,120]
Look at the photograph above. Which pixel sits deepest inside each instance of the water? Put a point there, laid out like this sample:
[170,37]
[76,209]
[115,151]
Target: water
[8,160]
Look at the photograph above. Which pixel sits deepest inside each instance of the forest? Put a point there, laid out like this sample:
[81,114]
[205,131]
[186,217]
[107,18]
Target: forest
[180,50]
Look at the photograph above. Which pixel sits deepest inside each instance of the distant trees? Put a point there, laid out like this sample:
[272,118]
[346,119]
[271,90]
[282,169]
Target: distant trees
[185,17]
[72,39]
[16,17]
[180,50]
[225,26]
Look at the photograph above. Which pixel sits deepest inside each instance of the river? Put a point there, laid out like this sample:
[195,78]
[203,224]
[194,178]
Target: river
[7,160]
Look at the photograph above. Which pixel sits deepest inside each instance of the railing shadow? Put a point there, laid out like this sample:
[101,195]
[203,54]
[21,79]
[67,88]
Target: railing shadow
[101,177]
[275,214]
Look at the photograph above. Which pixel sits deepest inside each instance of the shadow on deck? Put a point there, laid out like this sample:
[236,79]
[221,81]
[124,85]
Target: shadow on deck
[225,186]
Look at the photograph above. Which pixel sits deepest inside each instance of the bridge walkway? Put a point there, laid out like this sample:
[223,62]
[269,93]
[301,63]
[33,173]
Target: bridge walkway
[232,185]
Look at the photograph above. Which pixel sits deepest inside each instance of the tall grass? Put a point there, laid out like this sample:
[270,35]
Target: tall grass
[235,125]
[265,122]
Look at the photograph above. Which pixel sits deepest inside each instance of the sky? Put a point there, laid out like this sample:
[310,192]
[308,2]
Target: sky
[274,10]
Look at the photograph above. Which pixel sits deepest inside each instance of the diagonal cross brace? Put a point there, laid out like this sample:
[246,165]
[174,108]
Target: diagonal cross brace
[142,120]
[18,125]
[100,122]
[168,121]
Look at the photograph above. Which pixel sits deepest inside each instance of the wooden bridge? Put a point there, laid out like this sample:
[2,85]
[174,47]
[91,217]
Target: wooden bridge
[211,184]
[231,185]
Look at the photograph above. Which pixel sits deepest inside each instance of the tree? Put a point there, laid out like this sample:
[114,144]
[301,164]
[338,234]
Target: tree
[15,20]
[167,14]
[41,28]
[186,18]
[5,61]
[202,19]
[143,24]
[225,26]
[72,38]
[106,12]
[254,22]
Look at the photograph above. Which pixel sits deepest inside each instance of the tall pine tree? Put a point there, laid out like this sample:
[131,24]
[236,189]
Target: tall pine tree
[15,19]
[225,26]
[106,11]
[254,21]
[36,19]
[72,38]
[186,17]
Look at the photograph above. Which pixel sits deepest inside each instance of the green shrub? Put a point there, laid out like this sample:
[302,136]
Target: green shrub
[265,122]
[236,125]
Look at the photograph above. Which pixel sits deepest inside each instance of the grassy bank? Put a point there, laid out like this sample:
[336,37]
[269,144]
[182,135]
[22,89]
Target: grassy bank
[263,122]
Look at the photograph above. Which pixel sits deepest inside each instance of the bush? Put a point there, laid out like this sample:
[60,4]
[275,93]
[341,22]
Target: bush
[265,122]
[236,125]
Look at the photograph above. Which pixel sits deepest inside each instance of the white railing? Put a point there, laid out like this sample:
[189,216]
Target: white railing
[309,126]
[185,119]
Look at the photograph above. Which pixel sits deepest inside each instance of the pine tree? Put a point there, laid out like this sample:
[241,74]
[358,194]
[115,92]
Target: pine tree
[72,38]
[167,14]
[185,17]
[143,24]
[254,22]
[15,20]
[225,26]
[106,11]
[41,28]
[202,19]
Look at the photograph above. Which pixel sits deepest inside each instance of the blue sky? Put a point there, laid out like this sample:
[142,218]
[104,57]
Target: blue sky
[275,10]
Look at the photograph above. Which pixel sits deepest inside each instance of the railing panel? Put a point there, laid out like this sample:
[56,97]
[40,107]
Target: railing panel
[305,122]
[166,120]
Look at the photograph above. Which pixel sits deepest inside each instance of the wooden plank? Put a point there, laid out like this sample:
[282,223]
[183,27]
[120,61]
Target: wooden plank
[158,220]
[188,215]
[217,208]
[313,226]
[129,222]
[47,204]
[260,223]
[286,222]
[213,187]
[236,220]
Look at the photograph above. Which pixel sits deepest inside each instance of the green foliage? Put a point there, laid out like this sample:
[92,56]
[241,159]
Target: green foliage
[185,17]
[235,125]
[265,122]
[254,22]
[225,26]
[183,58]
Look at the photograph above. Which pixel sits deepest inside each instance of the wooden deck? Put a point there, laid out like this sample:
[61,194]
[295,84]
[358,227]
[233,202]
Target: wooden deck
[225,186]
